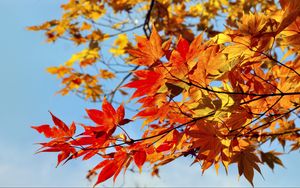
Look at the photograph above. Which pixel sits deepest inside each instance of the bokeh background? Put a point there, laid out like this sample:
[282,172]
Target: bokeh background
[27,94]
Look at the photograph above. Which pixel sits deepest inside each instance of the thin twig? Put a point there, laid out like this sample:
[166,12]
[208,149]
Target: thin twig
[145,27]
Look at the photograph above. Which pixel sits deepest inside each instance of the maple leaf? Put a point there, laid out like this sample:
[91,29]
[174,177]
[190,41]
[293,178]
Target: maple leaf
[178,59]
[291,36]
[60,133]
[60,130]
[291,10]
[247,162]
[140,158]
[149,50]
[112,166]
[108,117]
[207,138]
[108,171]
[148,83]
[270,158]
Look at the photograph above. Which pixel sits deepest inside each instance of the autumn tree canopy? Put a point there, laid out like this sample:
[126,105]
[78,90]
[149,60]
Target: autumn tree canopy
[214,80]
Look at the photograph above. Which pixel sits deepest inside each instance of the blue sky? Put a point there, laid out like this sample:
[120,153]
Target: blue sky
[27,93]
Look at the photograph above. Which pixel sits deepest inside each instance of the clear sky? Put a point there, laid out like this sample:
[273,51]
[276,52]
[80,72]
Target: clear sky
[27,93]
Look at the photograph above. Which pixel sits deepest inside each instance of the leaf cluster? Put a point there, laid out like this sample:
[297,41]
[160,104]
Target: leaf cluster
[218,96]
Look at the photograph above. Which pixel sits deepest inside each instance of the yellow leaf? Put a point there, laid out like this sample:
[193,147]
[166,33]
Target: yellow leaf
[119,45]
[85,54]
[221,38]
[60,70]
[105,74]
[226,99]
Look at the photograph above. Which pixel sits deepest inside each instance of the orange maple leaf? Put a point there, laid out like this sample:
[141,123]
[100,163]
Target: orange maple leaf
[149,50]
